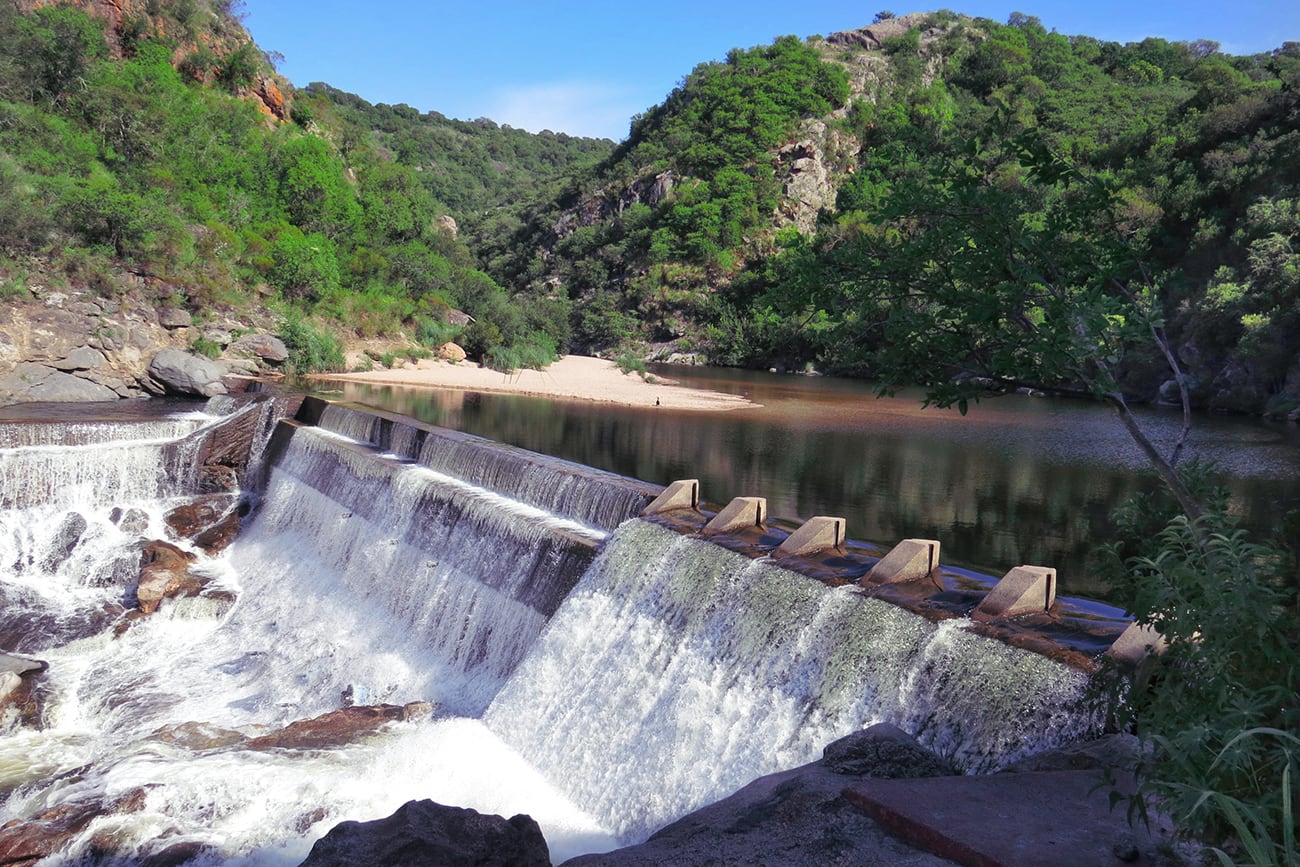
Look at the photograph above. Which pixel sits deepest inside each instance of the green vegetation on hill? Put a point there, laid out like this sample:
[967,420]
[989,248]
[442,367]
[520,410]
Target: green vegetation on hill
[139,151]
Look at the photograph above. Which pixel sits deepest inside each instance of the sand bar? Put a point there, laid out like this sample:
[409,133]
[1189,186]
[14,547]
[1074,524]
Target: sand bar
[573,377]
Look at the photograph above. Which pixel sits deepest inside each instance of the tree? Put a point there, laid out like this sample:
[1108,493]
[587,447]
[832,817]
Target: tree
[1002,266]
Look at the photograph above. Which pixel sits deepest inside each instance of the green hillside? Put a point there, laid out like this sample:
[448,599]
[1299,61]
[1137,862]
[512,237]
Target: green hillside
[741,217]
[161,150]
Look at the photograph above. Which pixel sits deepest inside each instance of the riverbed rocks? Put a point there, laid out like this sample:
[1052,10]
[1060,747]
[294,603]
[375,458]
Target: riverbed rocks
[211,522]
[429,834]
[165,574]
[21,693]
[24,842]
[338,727]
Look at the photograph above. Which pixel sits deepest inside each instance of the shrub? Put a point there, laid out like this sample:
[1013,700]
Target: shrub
[1221,713]
[311,350]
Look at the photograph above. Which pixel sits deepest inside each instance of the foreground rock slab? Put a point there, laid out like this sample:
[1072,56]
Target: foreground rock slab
[795,817]
[428,834]
[1062,818]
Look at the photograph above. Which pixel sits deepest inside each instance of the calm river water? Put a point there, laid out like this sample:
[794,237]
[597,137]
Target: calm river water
[1017,480]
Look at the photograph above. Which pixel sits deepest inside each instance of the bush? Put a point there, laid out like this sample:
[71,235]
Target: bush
[311,350]
[1221,712]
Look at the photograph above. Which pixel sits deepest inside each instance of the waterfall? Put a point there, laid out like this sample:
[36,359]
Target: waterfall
[463,577]
[584,494]
[604,675]
[677,671]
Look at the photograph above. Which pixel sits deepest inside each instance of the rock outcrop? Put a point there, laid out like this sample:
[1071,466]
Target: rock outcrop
[794,817]
[428,834]
[173,371]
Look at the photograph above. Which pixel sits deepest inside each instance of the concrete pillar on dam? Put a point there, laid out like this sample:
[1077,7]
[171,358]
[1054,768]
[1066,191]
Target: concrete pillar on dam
[909,560]
[681,494]
[1023,590]
[741,513]
[817,534]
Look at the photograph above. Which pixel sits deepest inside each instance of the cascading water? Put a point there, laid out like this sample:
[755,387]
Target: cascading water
[602,696]
[677,671]
[584,494]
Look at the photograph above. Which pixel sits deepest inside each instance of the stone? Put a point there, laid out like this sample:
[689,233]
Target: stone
[883,752]
[198,736]
[262,346]
[428,834]
[909,560]
[38,382]
[740,514]
[24,842]
[164,574]
[332,729]
[174,317]
[65,539]
[82,358]
[131,521]
[212,519]
[799,816]
[1023,590]
[452,352]
[181,373]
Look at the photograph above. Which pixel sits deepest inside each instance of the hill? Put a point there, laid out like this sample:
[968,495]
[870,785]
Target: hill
[150,153]
[734,224]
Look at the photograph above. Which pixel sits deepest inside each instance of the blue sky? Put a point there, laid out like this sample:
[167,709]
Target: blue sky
[586,66]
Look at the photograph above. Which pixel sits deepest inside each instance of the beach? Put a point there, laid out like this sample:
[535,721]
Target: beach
[572,377]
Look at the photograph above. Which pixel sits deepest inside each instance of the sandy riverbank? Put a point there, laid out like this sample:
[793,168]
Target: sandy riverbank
[573,377]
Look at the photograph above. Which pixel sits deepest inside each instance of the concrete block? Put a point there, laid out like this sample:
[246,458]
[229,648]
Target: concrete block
[1136,643]
[1023,590]
[740,514]
[681,494]
[909,560]
[817,534]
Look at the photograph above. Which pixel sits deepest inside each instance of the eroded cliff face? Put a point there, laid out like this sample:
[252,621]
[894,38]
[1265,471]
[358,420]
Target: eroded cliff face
[63,342]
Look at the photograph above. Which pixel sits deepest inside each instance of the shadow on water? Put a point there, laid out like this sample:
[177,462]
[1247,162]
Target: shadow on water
[1016,480]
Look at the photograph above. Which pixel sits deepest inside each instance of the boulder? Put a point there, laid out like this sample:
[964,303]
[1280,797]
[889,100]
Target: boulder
[164,574]
[337,727]
[174,317]
[82,358]
[37,382]
[451,352]
[428,834]
[131,521]
[65,539]
[198,736]
[177,372]
[262,346]
[883,752]
[211,522]
[24,842]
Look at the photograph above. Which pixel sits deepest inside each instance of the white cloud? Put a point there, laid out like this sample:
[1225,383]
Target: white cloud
[578,108]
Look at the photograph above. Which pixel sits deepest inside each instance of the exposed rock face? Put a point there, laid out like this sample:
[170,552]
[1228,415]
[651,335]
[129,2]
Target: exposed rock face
[173,371]
[883,752]
[427,834]
[270,99]
[210,522]
[809,169]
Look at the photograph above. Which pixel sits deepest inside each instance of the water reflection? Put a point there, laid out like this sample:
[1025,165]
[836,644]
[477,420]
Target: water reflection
[1017,480]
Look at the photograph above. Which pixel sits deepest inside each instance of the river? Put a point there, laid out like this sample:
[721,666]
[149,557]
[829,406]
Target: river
[1017,480]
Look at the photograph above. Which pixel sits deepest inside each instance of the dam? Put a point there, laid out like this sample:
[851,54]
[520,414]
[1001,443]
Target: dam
[603,653]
